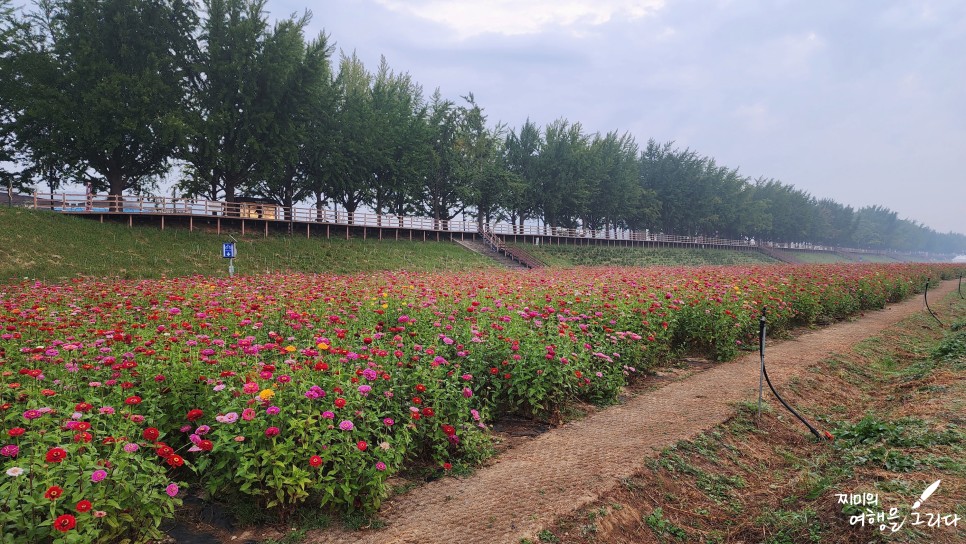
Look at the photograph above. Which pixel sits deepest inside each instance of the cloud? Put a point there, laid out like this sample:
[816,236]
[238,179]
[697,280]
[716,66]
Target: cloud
[520,17]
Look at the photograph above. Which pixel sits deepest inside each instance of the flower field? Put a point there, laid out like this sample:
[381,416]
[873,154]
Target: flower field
[284,389]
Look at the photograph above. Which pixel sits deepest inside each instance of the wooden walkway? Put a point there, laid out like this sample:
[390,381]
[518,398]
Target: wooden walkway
[266,218]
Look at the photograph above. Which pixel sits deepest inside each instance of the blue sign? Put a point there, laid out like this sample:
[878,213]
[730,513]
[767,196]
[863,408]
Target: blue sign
[228,250]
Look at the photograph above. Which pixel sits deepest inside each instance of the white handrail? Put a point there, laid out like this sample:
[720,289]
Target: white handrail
[148,204]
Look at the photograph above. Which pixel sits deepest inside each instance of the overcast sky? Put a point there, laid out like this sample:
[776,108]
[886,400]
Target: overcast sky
[863,102]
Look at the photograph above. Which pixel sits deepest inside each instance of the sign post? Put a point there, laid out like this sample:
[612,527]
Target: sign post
[228,252]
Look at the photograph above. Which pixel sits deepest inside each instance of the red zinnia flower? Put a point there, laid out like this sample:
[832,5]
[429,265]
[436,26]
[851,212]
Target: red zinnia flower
[449,430]
[151,433]
[362,445]
[84,506]
[194,415]
[205,445]
[53,492]
[65,523]
[315,461]
[16,431]
[175,460]
[340,403]
[165,451]
[83,407]
[83,437]
[428,412]
[56,455]
[132,400]
[420,388]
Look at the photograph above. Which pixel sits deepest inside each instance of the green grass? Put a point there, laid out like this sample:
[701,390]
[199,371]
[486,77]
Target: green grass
[815,257]
[568,256]
[872,258]
[51,247]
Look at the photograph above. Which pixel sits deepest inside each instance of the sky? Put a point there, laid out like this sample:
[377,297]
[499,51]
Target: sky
[861,102]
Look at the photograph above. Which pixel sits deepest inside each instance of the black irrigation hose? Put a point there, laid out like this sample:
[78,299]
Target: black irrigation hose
[761,349]
[960,288]
[925,298]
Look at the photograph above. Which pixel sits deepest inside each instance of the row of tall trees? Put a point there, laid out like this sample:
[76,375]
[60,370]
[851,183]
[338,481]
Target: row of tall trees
[117,92]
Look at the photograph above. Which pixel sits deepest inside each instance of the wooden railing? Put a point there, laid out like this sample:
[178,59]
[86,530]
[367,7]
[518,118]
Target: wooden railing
[130,204]
[154,205]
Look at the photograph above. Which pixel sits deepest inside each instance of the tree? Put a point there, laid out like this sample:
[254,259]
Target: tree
[227,125]
[295,78]
[102,86]
[876,227]
[483,176]
[7,31]
[397,111]
[562,170]
[521,153]
[612,183]
[442,189]
[350,168]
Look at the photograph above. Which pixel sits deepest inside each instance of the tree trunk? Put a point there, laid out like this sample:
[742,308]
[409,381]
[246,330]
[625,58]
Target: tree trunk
[319,215]
[115,180]
[231,209]
[350,209]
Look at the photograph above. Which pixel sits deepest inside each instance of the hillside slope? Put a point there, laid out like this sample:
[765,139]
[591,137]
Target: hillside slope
[52,247]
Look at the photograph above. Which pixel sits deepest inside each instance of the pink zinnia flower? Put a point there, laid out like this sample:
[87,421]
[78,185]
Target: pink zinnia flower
[272,431]
[98,475]
[248,414]
[172,490]
[380,466]
[346,425]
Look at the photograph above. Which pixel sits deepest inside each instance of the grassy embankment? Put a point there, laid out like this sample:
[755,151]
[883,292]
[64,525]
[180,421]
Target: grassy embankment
[52,247]
[567,256]
[895,406]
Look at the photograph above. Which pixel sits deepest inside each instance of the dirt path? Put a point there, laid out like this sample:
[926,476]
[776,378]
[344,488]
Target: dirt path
[563,470]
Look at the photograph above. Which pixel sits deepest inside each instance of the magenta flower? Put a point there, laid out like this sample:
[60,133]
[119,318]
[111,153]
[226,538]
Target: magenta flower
[388,422]
[380,466]
[10,450]
[272,431]
[172,490]
[31,414]
[273,410]
[364,390]
[98,475]
[248,414]
[328,415]
[131,447]
[346,425]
